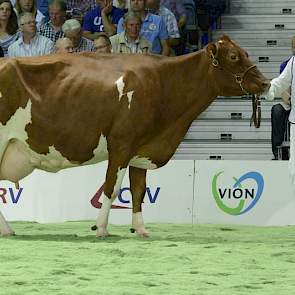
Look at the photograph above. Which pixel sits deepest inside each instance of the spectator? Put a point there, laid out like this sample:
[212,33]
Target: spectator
[104,18]
[53,28]
[169,20]
[30,43]
[279,116]
[129,40]
[42,5]
[153,28]
[8,25]
[64,45]
[102,44]
[23,6]
[77,9]
[122,4]
[177,8]
[72,30]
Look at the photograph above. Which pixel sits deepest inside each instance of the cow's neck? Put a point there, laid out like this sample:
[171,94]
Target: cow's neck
[191,88]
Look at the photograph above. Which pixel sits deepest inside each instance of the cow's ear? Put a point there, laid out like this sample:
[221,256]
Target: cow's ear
[225,38]
[211,49]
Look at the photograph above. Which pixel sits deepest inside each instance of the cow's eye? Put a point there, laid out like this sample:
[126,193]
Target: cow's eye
[234,57]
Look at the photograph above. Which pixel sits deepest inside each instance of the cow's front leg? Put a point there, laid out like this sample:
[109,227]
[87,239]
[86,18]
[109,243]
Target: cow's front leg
[114,178]
[137,177]
[5,229]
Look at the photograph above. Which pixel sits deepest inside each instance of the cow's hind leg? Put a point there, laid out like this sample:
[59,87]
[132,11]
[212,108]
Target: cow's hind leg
[137,177]
[115,174]
[5,229]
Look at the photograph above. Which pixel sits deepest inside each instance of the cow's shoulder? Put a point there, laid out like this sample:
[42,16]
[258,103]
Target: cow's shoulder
[13,92]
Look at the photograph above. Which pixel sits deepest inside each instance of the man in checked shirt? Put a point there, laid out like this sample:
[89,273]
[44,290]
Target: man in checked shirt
[57,14]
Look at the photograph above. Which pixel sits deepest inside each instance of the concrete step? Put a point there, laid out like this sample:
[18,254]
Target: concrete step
[266,38]
[227,130]
[263,10]
[268,55]
[216,150]
[264,2]
[233,109]
[270,70]
[263,22]
[262,7]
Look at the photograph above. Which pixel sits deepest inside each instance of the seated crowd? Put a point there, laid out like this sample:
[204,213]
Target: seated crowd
[39,27]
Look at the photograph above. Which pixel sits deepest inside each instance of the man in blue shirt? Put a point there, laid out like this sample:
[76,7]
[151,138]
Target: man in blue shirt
[153,28]
[104,18]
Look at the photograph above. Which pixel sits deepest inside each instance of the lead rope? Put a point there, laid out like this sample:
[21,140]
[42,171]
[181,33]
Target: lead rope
[256,111]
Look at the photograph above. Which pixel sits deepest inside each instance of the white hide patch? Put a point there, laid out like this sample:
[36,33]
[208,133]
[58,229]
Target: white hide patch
[15,127]
[100,153]
[102,219]
[103,216]
[0,94]
[141,162]
[55,161]
[52,161]
[119,180]
[129,95]
[120,85]
[13,138]
[5,229]
[137,220]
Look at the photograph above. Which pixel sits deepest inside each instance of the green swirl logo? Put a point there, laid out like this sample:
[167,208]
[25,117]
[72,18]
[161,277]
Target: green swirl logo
[239,193]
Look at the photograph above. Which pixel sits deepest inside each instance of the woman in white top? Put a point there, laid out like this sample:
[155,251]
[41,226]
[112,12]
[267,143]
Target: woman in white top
[8,25]
[22,6]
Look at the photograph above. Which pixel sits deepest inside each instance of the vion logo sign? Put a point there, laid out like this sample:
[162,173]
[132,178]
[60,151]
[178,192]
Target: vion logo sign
[241,195]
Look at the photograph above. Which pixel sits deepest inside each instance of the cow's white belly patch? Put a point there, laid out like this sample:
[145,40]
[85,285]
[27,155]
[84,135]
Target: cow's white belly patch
[18,160]
[142,162]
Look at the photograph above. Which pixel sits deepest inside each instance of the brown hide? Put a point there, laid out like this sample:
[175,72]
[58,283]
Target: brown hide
[75,99]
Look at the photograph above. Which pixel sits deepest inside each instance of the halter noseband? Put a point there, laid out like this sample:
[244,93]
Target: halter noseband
[239,78]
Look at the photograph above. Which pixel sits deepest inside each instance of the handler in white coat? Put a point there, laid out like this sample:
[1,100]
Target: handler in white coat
[280,86]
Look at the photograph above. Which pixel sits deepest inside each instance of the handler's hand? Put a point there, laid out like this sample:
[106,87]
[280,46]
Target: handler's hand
[286,97]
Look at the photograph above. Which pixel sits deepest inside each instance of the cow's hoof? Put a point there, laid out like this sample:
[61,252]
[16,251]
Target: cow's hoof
[7,234]
[102,233]
[94,227]
[143,233]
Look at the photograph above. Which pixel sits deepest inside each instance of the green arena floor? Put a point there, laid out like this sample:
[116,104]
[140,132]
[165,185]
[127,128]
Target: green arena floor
[177,259]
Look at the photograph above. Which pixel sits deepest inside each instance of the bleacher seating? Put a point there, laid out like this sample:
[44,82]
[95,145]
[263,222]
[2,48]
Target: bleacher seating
[264,29]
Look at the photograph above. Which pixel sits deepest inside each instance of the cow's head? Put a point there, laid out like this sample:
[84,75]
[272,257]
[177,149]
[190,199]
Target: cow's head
[233,72]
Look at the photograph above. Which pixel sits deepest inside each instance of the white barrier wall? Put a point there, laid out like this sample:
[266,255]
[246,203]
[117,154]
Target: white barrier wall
[66,195]
[228,192]
[236,192]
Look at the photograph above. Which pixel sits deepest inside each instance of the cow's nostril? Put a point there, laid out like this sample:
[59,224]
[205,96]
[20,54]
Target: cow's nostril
[265,84]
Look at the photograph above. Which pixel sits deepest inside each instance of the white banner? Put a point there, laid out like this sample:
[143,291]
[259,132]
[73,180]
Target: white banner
[225,192]
[67,195]
[244,192]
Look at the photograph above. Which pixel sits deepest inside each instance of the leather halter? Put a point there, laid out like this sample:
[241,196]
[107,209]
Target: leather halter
[239,78]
